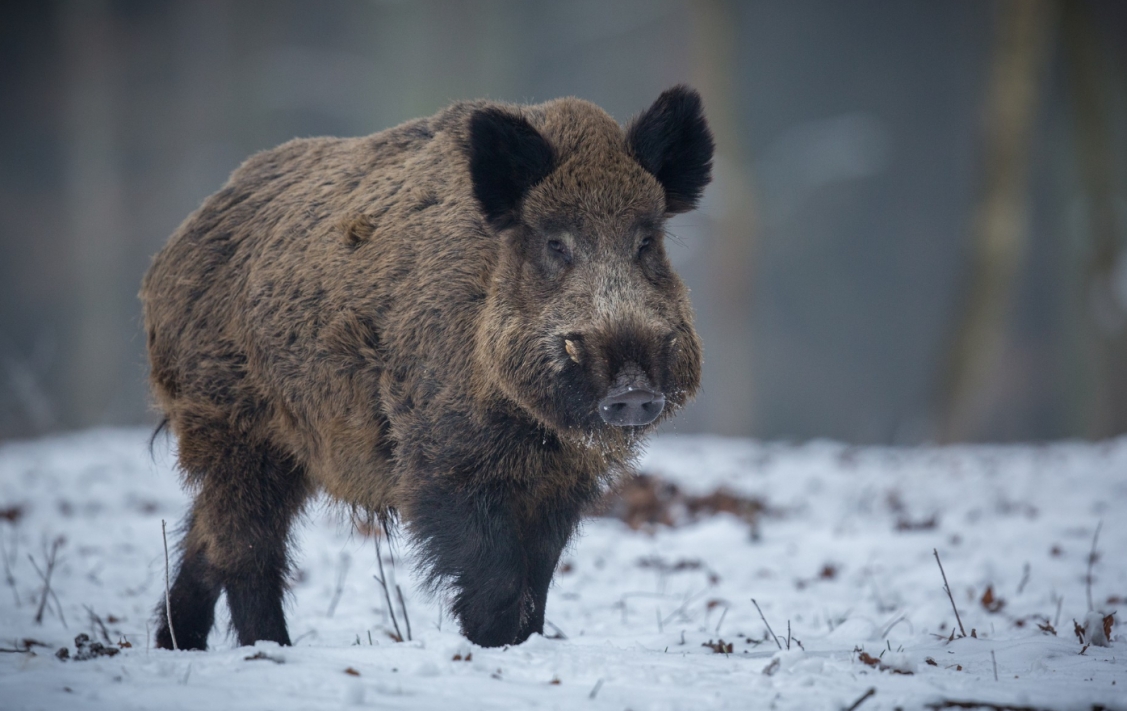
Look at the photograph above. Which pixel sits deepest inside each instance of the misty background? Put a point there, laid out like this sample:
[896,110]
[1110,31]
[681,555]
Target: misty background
[915,232]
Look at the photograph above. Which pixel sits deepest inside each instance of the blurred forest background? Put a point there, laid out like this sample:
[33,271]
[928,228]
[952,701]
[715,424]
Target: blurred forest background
[915,233]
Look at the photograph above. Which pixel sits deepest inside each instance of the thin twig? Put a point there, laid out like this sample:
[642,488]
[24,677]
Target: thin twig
[341,574]
[403,607]
[595,691]
[762,617]
[722,616]
[559,633]
[891,625]
[788,635]
[168,594]
[98,621]
[54,597]
[995,661]
[680,609]
[968,704]
[949,595]
[46,577]
[1091,561]
[1056,620]
[1024,577]
[8,577]
[382,580]
[872,690]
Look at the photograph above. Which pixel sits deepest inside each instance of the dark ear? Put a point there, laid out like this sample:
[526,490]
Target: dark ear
[507,157]
[672,141]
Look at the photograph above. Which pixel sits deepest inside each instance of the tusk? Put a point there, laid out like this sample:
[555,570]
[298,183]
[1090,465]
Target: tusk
[572,351]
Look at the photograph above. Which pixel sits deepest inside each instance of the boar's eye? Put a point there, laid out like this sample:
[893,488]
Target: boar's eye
[560,250]
[644,244]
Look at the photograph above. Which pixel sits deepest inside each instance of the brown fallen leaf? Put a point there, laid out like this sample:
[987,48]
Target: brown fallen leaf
[866,658]
[991,602]
[351,672]
[718,647]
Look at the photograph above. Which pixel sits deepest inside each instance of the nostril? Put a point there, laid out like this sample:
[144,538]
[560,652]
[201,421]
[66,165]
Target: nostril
[631,406]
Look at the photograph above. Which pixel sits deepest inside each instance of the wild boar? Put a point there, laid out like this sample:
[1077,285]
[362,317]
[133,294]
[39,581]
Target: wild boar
[466,323]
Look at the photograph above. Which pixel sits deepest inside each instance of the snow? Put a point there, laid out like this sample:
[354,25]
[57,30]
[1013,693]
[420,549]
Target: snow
[843,556]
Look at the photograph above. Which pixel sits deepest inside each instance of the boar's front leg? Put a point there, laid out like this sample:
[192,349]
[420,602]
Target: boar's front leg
[495,550]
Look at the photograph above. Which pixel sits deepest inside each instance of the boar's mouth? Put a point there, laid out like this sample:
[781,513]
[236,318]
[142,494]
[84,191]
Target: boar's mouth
[620,390]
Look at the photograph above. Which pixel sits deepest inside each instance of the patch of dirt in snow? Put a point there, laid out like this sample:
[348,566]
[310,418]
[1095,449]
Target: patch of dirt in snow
[652,607]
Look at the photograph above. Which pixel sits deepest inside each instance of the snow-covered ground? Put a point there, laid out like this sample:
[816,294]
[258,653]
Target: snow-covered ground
[843,555]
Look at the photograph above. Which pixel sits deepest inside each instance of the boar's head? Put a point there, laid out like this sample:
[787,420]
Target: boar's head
[586,326]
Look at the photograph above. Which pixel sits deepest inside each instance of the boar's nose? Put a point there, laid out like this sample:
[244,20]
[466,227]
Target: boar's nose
[631,405]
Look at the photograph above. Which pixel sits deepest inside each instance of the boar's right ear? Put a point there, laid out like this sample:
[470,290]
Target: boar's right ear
[507,157]
[672,141]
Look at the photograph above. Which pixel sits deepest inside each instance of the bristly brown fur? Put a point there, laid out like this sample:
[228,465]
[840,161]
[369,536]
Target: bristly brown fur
[422,321]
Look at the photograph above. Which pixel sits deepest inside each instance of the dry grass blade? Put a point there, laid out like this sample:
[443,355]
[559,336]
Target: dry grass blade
[97,621]
[762,617]
[403,607]
[382,580]
[46,578]
[8,577]
[1091,561]
[949,595]
[342,573]
[167,588]
[864,697]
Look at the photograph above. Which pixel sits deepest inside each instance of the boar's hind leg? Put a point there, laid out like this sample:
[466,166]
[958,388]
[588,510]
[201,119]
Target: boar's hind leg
[498,564]
[193,597]
[247,500]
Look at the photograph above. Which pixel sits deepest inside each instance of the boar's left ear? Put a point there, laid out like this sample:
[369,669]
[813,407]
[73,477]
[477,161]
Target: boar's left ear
[672,141]
[507,157]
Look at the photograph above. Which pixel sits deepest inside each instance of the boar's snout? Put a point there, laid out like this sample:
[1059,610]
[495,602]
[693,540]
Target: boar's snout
[632,400]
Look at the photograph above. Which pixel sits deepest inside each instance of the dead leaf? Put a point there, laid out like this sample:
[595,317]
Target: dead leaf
[866,658]
[351,672]
[990,601]
[719,647]
[260,655]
